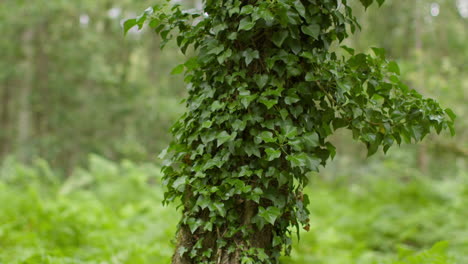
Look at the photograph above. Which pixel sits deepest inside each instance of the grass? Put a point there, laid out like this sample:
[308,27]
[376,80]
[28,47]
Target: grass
[112,213]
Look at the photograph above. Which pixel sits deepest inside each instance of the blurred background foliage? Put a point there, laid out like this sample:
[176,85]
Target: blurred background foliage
[85,111]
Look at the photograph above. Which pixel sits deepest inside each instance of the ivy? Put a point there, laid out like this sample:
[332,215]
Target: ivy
[265,94]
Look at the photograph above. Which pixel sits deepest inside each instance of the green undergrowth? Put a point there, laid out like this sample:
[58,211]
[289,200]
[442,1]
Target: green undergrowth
[112,213]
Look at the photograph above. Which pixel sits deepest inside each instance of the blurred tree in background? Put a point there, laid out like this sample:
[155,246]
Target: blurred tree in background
[71,84]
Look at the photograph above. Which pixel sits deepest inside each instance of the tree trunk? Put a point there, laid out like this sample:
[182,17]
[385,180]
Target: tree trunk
[5,118]
[25,90]
[259,239]
[422,155]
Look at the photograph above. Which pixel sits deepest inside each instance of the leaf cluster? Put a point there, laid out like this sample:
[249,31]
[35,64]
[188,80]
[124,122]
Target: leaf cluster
[265,94]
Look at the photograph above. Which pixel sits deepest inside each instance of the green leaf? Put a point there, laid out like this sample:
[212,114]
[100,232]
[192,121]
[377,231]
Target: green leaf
[239,125]
[250,55]
[252,149]
[295,45]
[194,224]
[284,113]
[270,214]
[451,114]
[269,103]
[129,24]
[272,153]
[310,77]
[348,49]
[246,24]
[207,124]
[373,145]
[224,136]
[247,99]
[311,140]
[261,80]
[246,10]
[300,8]
[178,69]
[304,160]
[179,184]
[393,67]
[266,136]
[220,208]
[291,99]
[191,63]
[379,52]
[216,105]
[224,56]
[279,37]
[289,131]
[366,3]
[312,30]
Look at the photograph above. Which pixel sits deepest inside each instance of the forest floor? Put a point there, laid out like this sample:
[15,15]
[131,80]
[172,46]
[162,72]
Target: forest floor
[112,213]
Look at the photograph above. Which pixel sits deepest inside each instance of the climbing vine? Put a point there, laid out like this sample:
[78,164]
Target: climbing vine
[265,92]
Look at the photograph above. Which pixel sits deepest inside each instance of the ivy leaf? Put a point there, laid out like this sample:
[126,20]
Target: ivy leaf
[239,125]
[246,24]
[129,24]
[248,9]
[219,206]
[381,2]
[261,80]
[291,99]
[348,49]
[250,55]
[312,30]
[252,149]
[295,45]
[270,214]
[269,103]
[267,16]
[224,136]
[207,124]
[300,8]
[194,224]
[379,52]
[366,3]
[272,153]
[393,67]
[203,202]
[373,145]
[224,56]
[279,37]
[246,100]
[289,131]
[178,69]
[451,114]
[266,136]
[304,160]
[179,184]
[311,140]
[284,113]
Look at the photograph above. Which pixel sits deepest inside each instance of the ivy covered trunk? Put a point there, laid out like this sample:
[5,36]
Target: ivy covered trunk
[260,240]
[265,93]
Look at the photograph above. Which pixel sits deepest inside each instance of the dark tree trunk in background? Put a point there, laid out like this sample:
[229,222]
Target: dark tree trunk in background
[24,100]
[42,96]
[5,118]
[422,155]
